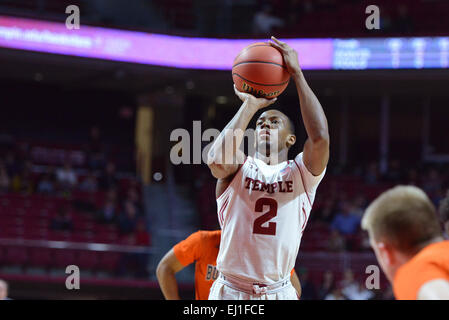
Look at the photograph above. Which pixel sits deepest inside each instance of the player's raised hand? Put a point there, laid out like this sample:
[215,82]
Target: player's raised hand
[290,55]
[257,103]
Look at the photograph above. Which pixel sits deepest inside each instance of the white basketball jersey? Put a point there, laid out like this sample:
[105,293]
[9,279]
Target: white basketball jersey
[263,213]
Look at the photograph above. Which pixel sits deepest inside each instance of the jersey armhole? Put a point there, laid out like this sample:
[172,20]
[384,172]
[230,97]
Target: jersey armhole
[303,181]
[232,180]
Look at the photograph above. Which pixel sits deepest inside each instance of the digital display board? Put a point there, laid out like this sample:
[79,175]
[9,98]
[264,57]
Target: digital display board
[218,54]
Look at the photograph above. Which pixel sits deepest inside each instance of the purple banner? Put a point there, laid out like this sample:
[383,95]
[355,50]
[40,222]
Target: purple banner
[145,48]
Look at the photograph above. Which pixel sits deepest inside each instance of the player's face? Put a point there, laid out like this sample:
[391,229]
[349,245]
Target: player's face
[272,131]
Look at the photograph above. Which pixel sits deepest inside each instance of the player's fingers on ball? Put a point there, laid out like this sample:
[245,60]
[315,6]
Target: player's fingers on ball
[273,44]
[237,92]
[269,101]
[280,43]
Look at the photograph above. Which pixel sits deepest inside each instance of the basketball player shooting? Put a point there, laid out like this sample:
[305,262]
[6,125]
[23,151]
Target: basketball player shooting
[264,200]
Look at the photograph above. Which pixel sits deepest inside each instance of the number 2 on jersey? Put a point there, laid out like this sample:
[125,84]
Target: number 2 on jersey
[272,212]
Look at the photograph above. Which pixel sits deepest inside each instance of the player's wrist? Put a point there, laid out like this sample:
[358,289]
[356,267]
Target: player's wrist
[252,105]
[297,75]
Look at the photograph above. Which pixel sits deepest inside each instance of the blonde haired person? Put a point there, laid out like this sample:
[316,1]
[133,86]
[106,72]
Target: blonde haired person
[406,237]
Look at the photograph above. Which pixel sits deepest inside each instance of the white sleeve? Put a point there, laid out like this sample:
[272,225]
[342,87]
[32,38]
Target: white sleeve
[310,181]
[434,290]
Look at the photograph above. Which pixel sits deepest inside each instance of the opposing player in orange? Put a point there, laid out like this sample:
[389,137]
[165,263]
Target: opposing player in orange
[200,248]
[406,237]
[264,199]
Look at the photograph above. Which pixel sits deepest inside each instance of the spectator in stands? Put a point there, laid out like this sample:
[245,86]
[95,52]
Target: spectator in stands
[359,204]
[133,196]
[4,288]
[62,221]
[394,174]
[413,177]
[327,285]
[136,261]
[360,293]
[46,185]
[349,286]
[432,185]
[108,179]
[345,222]
[90,183]
[336,294]
[265,21]
[326,213]
[108,213]
[13,166]
[4,178]
[66,177]
[372,173]
[23,181]
[142,237]
[336,242]
[127,220]
[95,150]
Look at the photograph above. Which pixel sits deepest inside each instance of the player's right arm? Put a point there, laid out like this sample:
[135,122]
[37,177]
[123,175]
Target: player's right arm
[225,156]
[165,272]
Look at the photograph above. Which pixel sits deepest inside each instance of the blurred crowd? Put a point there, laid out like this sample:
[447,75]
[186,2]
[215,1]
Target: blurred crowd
[120,203]
[346,288]
[342,211]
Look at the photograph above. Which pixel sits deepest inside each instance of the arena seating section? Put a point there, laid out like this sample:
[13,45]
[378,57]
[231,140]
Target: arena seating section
[330,18]
[28,217]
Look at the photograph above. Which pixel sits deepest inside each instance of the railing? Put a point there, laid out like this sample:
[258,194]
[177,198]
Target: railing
[100,247]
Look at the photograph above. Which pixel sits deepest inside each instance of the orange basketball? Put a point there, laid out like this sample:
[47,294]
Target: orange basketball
[259,69]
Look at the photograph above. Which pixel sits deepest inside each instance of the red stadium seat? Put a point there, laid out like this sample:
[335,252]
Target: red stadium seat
[63,258]
[40,257]
[16,256]
[108,261]
[87,259]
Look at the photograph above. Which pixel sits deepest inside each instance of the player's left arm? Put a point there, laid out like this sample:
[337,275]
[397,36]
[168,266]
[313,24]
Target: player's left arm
[437,289]
[296,283]
[165,272]
[316,148]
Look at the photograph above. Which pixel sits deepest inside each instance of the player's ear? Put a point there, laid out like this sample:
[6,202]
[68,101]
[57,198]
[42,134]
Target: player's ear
[386,252]
[291,139]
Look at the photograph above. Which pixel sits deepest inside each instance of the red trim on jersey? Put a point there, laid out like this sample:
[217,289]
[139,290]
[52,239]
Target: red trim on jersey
[233,178]
[302,179]
[223,207]
[305,219]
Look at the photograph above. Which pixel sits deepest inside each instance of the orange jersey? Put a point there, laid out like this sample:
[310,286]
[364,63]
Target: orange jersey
[202,248]
[430,263]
